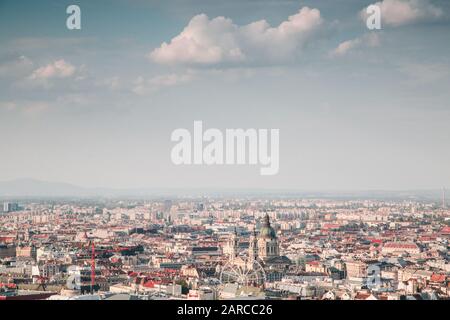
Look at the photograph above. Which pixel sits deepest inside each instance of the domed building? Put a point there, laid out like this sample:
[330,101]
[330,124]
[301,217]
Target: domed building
[264,249]
[274,264]
[267,241]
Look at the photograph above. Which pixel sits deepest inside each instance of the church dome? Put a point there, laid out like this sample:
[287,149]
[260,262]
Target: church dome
[266,231]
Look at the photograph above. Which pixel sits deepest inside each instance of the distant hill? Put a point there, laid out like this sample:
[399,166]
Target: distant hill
[31,188]
[37,188]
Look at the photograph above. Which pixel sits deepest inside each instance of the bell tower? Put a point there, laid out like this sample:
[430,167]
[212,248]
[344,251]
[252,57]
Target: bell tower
[233,245]
[253,246]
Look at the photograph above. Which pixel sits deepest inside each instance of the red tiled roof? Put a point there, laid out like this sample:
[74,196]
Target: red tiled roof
[400,245]
[151,283]
[436,277]
[446,229]
[331,226]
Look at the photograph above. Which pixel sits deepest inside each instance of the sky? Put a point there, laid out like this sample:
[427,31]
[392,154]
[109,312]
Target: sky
[357,109]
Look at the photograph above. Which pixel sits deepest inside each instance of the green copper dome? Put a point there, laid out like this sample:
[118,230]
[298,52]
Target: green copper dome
[266,230]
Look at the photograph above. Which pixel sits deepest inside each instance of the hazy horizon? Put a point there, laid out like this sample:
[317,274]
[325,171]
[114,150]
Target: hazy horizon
[35,189]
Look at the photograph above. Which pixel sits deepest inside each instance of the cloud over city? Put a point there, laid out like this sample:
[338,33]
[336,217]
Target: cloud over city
[369,40]
[16,67]
[56,69]
[206,41]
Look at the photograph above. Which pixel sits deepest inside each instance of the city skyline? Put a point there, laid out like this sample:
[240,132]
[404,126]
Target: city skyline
[222,248]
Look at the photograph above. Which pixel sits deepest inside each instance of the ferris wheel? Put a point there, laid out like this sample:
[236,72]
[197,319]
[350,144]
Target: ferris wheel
[245,273]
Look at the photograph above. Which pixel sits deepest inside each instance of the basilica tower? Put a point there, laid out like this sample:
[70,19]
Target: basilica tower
[267,242]
[253,246]
[232,246]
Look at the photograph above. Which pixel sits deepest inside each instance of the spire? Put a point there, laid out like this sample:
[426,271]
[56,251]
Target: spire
[253,245]
[266,220]
[233,244]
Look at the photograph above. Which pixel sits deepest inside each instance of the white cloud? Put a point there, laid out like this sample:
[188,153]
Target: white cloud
[25,107]
[144,86]
[207,41]
[369,40]
[16,67]
[57,69]
[401,12]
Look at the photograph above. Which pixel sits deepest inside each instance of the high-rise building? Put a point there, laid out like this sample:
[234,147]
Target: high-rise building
[10,207]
